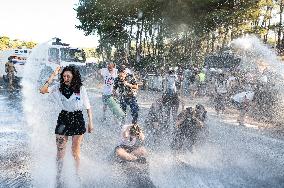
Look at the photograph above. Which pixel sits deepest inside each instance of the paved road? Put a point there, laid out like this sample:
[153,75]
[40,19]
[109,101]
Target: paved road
[231,156]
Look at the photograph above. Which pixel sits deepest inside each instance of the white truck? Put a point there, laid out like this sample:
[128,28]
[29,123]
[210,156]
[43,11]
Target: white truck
[61,54]
[56,54]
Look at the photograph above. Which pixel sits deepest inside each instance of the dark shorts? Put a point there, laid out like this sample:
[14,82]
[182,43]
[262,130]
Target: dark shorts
[237,105]
[70,123]
[105,98]
[128,149]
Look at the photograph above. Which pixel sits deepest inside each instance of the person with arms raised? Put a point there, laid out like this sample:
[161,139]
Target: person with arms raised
[72,97]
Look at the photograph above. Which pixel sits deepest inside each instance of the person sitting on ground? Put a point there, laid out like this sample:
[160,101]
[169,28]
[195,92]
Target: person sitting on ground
[131,145]
[189,123]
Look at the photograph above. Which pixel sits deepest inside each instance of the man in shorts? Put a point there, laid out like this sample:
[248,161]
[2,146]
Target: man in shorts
[108,74]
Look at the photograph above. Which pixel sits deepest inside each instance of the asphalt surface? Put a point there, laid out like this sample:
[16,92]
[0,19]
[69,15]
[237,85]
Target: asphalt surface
[230,155]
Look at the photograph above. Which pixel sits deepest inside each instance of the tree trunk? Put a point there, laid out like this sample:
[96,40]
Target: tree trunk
[140,39]
[137,44]
[129,40]
[280,27]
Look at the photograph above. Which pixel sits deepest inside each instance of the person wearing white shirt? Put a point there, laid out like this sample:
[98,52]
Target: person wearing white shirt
[72,97]
[130,147]
[171,97]
[109,74]
[242,101]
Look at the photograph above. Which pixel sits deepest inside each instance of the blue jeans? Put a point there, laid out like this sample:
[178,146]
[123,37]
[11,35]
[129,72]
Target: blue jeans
[132,102]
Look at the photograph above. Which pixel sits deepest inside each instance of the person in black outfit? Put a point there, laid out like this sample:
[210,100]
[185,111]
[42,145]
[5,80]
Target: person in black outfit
[127,85]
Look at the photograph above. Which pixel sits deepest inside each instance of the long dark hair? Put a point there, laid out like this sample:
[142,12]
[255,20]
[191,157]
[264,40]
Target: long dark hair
[76,82]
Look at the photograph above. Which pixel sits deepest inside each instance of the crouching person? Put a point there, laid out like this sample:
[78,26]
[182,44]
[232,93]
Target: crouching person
[190,122]
[131,145]
[156,119]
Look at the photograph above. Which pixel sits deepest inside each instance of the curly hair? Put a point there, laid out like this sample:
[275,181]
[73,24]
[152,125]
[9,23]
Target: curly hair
[76,82]
[135,129]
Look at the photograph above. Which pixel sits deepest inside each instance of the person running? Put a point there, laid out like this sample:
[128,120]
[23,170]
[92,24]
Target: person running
[131,146]
[72,97]
[10,70]
[127,85]
[109,74]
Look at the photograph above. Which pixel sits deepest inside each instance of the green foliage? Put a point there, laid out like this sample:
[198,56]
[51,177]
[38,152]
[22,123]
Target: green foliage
[181,30]
[7,43]
[90,52]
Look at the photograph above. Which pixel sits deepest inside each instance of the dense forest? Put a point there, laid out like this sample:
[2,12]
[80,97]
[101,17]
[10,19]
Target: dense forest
[157,32]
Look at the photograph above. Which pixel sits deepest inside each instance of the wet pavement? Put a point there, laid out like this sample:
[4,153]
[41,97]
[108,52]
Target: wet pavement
[230,156]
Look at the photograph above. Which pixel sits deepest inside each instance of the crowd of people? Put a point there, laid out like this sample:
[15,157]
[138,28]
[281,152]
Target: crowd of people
[119,91]
[226,88]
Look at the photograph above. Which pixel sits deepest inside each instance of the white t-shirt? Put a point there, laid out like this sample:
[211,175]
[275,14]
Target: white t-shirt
[126,140]
[77,101]
[108,80]
[221,87]
[240,97]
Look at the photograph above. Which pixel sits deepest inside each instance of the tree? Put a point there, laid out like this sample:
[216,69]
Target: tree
[166,29]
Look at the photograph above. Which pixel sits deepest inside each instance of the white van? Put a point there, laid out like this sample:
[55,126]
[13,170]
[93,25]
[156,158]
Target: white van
[62,54]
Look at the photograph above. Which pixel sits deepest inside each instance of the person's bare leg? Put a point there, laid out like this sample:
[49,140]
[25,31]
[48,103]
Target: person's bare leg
[139,152]
[76,150]
[104,111]
[123,154]
[10,85]
[61,142]
[241,118]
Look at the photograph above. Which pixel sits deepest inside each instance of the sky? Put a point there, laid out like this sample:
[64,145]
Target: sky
[41,20]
